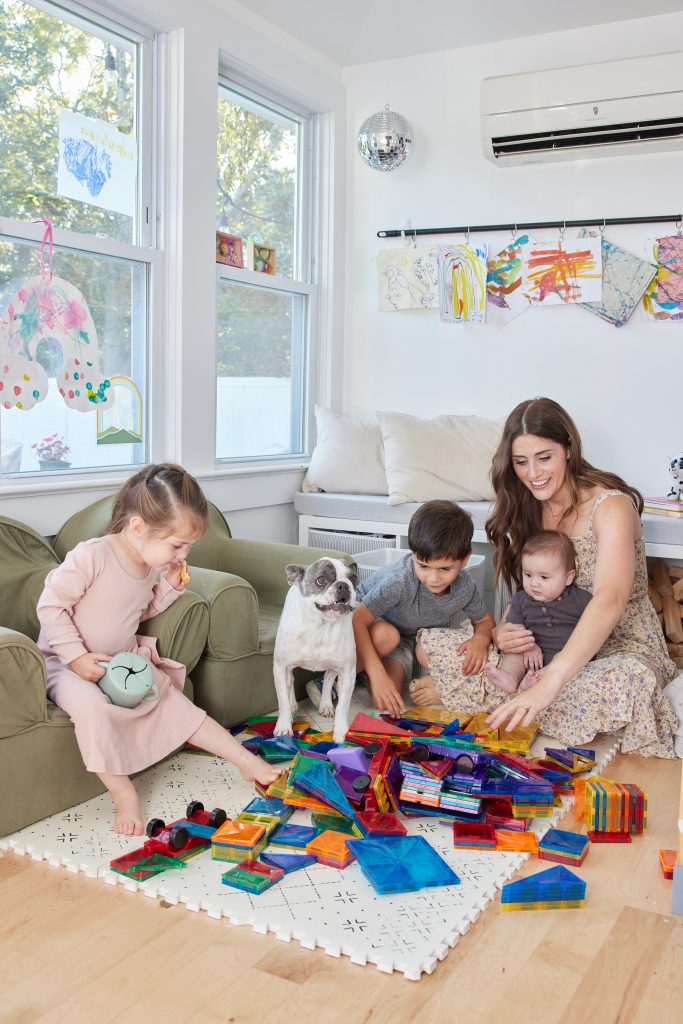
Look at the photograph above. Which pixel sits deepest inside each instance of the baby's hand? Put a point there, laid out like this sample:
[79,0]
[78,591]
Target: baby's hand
[86,666]
[533,659]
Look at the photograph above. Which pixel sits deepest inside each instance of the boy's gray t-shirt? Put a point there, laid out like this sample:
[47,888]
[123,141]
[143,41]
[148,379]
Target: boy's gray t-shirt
[395,593]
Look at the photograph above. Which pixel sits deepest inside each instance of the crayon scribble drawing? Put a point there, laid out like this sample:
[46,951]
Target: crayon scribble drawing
[462,283]
[667,308]
[90,166]
[97,163]
[407,278]
[562,272]
[504,298]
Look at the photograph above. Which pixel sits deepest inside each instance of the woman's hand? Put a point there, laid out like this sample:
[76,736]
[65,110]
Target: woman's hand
[513,638]
[526,705]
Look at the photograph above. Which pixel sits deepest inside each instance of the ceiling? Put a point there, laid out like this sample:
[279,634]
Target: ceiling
[361,31]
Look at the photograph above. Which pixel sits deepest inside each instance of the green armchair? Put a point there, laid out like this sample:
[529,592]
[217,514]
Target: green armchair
[40,764]
[244,585]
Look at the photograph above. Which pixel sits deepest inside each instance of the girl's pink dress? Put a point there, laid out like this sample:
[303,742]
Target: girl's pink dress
[92,604]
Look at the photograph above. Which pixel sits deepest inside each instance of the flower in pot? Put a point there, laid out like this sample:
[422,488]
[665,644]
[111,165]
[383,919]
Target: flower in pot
[53,452]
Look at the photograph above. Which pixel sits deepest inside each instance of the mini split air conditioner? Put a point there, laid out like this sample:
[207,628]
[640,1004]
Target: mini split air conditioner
[611,109]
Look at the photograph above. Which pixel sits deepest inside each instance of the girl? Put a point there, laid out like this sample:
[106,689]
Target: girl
[90,609]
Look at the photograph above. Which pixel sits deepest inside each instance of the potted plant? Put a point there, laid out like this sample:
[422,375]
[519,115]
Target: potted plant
[53,452]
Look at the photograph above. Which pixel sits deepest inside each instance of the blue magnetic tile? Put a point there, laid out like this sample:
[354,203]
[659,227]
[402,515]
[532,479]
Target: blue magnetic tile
[570,843]
[287,861]
[293,835]
[320,782]
[268,805]
[452,728]
[403,864]
[558,883]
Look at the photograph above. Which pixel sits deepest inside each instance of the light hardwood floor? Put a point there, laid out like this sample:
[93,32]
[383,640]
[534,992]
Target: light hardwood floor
[74,949]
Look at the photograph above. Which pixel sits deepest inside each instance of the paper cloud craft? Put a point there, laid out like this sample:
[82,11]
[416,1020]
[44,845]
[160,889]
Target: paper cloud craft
[42,310]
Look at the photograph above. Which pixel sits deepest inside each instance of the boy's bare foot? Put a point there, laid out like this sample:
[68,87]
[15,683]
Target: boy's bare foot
[423,692]
[499,677]
[530,679]
[128,820]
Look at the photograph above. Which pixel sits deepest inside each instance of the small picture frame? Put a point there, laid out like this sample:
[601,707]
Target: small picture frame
[260,257]
[229,249]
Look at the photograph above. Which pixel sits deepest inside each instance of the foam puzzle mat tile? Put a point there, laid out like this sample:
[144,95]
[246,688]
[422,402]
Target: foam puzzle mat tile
[317,906]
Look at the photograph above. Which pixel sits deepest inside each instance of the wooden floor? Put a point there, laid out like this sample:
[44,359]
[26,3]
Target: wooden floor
[74,949]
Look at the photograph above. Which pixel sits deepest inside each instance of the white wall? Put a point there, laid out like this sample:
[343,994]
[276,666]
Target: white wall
[622,386]
[183,375]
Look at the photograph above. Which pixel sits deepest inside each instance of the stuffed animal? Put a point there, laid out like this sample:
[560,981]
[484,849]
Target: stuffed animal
[676,470]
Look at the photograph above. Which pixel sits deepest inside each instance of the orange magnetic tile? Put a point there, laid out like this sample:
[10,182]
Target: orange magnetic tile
[516,842]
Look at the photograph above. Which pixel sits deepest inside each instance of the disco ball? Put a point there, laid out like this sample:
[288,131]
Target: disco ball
[385,140]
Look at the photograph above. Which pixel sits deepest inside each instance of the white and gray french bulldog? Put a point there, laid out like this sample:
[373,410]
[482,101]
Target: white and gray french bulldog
[316,633]
[676,470]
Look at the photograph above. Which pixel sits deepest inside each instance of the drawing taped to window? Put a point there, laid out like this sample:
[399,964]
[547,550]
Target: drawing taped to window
[97,163]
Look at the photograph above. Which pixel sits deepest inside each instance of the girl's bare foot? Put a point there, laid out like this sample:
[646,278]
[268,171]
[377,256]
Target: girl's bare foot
[499,677]
[423,692]
[128,820]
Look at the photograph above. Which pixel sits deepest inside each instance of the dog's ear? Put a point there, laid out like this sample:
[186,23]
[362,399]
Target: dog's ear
[295,574]
[353,579]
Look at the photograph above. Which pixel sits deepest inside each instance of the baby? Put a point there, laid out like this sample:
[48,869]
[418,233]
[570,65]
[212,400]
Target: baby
[549,605]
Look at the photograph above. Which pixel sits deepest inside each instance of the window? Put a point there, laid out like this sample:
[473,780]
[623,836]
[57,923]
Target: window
[263,310]
[77,142]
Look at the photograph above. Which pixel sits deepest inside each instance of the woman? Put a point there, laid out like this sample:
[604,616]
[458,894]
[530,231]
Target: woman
[611,672]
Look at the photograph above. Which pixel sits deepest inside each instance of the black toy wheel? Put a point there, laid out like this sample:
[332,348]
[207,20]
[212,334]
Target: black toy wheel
[178,837]
[217,817]
[193,807]
[464,764]
[154,825]
[372,748]
[360,783]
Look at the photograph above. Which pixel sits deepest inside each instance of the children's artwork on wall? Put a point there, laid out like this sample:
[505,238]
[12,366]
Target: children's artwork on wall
[407,278]
[565,271]
[625,278]
[260,257]
[121,421]
[462,283]
[504,298]
[97,163]
[229,249]
[662,306]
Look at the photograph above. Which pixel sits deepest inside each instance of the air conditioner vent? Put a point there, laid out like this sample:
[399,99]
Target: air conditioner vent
[599,135]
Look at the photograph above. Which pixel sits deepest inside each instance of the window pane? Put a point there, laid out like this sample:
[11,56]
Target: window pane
[257,176]
[49,325]
[259,371]
[47,66]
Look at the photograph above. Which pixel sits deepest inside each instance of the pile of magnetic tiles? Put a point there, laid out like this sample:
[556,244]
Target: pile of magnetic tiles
[480,782]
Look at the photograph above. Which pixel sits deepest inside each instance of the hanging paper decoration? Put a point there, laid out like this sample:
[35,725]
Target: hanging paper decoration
[504,298]
[462,283]
[45,308]
[121,421]
[563,271]
[663,300]
[407,278]
[625,278]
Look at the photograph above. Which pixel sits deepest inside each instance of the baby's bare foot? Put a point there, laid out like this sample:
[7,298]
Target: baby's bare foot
[499,677]
[530,679]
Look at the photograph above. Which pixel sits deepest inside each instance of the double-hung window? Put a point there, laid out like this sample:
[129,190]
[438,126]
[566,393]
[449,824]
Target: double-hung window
[265,289]
[77,254]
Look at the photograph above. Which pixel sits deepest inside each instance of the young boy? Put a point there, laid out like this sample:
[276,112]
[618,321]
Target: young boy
[424,589]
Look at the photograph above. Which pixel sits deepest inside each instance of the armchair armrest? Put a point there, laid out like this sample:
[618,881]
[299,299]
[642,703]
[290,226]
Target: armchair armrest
[181,630]
[263,564]
[233,613]
[22,683]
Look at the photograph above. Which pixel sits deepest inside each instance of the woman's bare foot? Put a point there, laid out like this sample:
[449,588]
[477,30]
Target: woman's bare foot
[258,770]
[530,679]
[499,677]
[423,692]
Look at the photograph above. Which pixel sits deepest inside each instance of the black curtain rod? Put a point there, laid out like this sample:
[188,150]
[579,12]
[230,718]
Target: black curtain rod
[469,228]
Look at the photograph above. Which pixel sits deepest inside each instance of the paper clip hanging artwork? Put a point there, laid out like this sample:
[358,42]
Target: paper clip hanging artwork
[504,298]
[625,278]
[45,308]
[663,300]
[462,283]
[564,271]
[407,278]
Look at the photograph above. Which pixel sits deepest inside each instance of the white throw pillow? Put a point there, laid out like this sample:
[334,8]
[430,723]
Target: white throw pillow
[348,456]
[447,457]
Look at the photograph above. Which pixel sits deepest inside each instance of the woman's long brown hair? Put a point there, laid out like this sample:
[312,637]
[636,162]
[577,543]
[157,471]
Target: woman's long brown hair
[517,513]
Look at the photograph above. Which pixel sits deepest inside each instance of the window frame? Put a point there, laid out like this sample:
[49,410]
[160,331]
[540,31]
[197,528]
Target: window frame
[144,248]
[305,263]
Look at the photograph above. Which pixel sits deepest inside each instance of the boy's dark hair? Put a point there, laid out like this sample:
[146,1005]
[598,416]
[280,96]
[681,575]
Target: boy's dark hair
[552,542]
[440,529]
